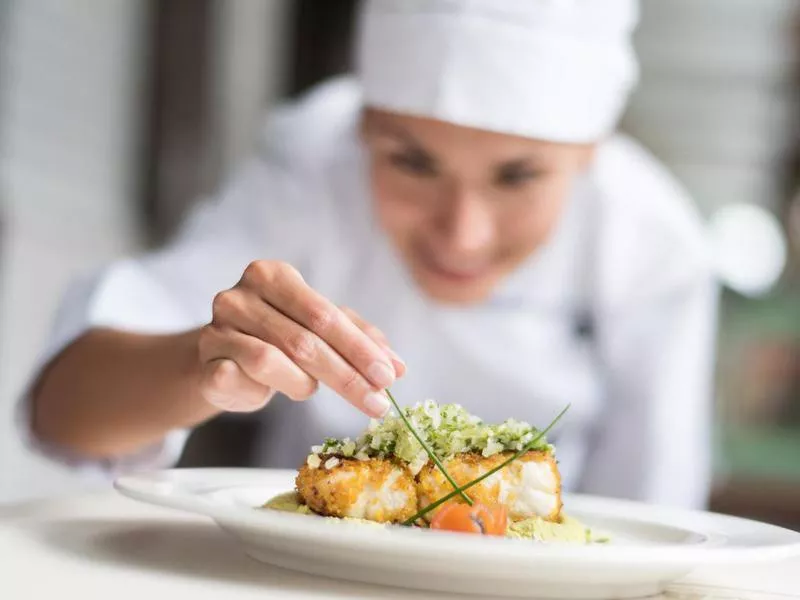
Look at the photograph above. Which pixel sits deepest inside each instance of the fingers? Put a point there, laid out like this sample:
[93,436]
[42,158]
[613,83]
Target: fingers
[248,314]
[224,385]
[317,358]
[378,337]
[272,332]
[260,362]
[284,290]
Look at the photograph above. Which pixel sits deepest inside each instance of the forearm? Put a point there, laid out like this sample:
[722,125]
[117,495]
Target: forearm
[111,393]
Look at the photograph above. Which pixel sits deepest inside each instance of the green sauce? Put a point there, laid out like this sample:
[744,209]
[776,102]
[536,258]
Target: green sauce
[288,502]
[536,528]
[569,530]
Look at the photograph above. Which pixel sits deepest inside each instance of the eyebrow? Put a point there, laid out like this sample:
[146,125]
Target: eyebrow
[397,132]
[530,162]
[523,162]
[401,135]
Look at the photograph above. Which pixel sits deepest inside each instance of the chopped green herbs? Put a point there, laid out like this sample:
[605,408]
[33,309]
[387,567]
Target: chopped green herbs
[446,430]
[428,451]
[530,446]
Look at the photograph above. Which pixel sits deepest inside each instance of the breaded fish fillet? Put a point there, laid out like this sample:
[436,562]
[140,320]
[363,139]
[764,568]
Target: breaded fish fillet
[375,489]
[530,486]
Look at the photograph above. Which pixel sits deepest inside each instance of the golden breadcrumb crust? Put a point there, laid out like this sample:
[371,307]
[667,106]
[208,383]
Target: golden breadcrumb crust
[463,468]
[378,489]
[384,490]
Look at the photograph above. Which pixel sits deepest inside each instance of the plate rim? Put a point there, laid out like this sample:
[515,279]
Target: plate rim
[151,487]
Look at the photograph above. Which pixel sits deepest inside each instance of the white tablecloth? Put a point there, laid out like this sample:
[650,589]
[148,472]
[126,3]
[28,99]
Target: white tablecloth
[106,546]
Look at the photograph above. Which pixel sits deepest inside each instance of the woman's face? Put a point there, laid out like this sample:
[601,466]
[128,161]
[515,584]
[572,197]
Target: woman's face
[463,206]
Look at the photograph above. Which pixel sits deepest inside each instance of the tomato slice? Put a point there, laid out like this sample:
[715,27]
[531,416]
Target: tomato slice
[478,518]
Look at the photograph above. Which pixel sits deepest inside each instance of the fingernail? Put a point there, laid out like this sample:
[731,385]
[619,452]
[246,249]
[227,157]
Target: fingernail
[381,374]
[397,362]
[394,355]
[376,404]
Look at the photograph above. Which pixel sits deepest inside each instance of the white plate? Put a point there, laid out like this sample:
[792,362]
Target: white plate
[651,546]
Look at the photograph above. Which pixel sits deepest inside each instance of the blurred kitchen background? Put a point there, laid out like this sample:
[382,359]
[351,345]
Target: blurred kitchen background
[117,115]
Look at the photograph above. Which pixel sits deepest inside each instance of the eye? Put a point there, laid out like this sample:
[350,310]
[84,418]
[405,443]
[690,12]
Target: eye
[414,163]
[514,176]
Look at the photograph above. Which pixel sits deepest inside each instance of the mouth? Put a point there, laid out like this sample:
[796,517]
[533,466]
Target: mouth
[458,272]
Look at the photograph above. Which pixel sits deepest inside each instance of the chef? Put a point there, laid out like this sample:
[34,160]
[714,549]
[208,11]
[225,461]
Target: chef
[458,220]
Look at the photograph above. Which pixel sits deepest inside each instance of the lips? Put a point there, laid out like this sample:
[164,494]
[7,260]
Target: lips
[458,271]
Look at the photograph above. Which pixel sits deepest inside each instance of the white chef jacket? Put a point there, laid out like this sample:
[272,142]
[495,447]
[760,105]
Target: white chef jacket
[615,314]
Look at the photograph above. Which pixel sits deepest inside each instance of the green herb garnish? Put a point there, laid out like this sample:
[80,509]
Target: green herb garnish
[460,490]
[449,430]
[430,452]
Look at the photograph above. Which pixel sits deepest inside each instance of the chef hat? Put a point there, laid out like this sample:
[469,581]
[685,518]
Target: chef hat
[557,70]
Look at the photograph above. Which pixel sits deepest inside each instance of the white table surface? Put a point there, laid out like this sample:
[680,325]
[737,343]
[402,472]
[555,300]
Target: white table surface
[106,546]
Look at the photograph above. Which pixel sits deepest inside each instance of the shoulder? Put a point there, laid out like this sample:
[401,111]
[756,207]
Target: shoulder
[652,235]
[286,178]
[311,131]
[281,191]
[643,193]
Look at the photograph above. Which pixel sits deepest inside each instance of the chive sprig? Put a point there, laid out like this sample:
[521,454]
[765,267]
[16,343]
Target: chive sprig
[429,451]
[459,490]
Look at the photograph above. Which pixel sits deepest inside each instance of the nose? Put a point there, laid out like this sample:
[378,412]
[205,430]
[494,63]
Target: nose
[466,224]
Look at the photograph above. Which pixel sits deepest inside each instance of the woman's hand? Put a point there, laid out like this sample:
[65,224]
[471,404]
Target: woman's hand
[272,333]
